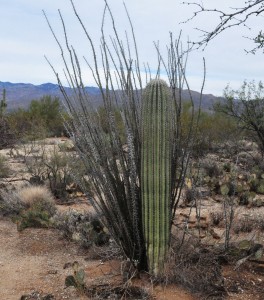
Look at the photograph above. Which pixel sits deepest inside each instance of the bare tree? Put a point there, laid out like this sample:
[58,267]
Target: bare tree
[235,16]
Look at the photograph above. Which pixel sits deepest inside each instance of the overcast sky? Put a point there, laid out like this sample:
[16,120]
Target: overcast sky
[25,38]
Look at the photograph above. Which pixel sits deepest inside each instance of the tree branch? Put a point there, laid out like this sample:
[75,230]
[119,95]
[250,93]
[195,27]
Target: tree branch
[238,16]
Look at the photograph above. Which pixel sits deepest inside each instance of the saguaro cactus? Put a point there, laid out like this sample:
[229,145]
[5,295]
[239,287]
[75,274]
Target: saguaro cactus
[156,172]
[3,104]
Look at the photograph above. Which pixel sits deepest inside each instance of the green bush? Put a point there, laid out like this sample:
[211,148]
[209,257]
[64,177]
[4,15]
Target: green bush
[48,109]
[213,130]
[43,118]
[7,137]
[38,197]
[25,127]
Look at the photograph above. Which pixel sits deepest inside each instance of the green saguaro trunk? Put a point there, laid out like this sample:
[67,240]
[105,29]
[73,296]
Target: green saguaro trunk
[156,172]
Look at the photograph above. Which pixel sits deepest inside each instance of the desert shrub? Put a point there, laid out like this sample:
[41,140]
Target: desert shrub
[55,167]
[62,169]
[43,118]
[216,217]
[245,159]
[58,173]
[39,207]
[48,110]
[35,217]
[213,129]
[38,196]
[210,168]
[227,167]
[4,168]
[7,137]
[260,223]
[254,184]
[195,268]
[257,185]
[245,106]
[32,206]
[10,204]
[244,224]
[84,228]
[190,195]
[244,198]
[247,198]
[24,127]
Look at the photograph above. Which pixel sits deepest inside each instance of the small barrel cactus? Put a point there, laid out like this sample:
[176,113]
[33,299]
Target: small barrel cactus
[156,172]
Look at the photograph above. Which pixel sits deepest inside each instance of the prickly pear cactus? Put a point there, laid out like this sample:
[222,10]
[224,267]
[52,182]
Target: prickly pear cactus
[156,172]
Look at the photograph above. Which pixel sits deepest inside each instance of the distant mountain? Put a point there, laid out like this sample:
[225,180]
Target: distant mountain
[19,95]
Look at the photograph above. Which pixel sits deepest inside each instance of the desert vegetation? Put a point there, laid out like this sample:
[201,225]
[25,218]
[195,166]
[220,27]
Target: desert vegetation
[173,194]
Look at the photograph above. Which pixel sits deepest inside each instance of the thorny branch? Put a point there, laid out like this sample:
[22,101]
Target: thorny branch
[236,16]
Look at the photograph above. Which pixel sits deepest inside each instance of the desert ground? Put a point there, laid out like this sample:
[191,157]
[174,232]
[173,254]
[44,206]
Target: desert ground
[35,262]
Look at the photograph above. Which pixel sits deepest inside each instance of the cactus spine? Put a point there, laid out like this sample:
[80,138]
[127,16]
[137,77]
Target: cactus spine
[156,172]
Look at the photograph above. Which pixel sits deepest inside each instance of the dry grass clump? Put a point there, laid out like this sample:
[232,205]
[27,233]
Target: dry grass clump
[37,195]
[244,224]
[32,206]
[216,217]
[40,207]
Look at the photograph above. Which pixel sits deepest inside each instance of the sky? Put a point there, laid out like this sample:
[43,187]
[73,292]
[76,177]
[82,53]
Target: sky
[25,38]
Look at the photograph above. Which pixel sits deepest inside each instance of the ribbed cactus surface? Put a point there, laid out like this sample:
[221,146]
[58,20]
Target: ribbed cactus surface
[156,171]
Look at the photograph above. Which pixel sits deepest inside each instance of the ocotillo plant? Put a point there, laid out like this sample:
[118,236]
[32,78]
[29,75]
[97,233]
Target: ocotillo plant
[113,164]
[156,171]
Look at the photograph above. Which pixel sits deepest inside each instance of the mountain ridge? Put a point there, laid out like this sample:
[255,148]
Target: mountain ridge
[19,95]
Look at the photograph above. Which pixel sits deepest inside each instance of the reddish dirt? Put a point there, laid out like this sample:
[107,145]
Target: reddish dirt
[34,260]
[247,283]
